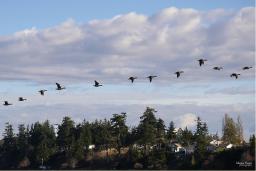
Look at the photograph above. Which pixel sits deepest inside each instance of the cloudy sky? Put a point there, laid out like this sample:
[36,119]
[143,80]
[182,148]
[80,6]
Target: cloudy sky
[74,44]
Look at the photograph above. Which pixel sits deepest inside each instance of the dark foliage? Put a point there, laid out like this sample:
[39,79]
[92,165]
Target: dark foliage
[111,144]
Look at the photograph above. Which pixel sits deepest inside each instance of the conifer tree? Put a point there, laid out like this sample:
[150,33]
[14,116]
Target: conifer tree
[119,129]
[9,147]
[43,141]
[160,132]
[22,142]
[147,129]
[171,135]
[201,139]
[231,131]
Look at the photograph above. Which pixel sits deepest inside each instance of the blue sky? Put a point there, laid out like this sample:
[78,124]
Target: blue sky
[19,15]
[75,43]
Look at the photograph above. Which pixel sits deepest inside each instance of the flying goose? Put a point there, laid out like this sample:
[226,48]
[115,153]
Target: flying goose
[246,68]
[6,103]
[217,68]
[59,87]
[21,99]
[132,79]
[201,61]
[97,84]
[151,77]
[178,73]
[42,92]
[234,75]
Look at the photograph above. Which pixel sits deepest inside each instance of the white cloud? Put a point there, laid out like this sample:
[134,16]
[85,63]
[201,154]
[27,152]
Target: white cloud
[187,120]
[131,44]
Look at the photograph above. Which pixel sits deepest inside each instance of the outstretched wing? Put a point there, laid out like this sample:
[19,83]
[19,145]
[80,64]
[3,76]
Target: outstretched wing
[58,85]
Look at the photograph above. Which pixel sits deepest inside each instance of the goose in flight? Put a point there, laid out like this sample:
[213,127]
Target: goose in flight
[97,84]
[201,61]
[132,79]
[178,73]
[42,92]
[59,87]
[246,68]
[21,99]
[151,77]
[217,68]
[6,103]
[234,75]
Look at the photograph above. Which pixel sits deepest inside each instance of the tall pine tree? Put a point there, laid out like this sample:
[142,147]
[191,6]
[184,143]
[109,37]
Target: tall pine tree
[119,129]
[171,135]
[147,129]
[201,139]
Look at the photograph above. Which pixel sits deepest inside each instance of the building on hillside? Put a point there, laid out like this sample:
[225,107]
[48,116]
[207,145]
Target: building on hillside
[229,146]
[90,147]
[176,147]
[216,142]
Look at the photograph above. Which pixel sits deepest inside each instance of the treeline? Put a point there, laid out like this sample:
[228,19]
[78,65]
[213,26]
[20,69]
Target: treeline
[143,147]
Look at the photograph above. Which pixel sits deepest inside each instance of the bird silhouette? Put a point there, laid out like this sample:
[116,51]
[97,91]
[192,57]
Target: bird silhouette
[6,103]
[97,84]
[151,77]
[178,73]
[201,61]
[59,87]
[132,79]
[21,99]
[246,68]
[42,92]
[217,68]
[234,75]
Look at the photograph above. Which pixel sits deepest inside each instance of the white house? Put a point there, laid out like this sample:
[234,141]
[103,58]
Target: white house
[176,147]
[216,142]
[229,146]
[176,130]
[92,146]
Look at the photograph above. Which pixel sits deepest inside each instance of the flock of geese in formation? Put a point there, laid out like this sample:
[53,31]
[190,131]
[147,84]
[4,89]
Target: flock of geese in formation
[97,84]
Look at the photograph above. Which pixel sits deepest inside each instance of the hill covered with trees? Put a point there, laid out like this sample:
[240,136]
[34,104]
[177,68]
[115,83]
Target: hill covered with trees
[111,144]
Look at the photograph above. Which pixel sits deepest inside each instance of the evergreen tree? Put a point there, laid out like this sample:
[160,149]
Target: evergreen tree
[101,134]
[179,136]
[79,140]
[147,129]
[160,132]
[132,136]
[120,130]
[9,147]
[239,127]
[201,139]
[22,142]
[230,131]
[85,134]
[252,145]
[43,140]
[65,134]
[186,137]
[69,141]
[171,132]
